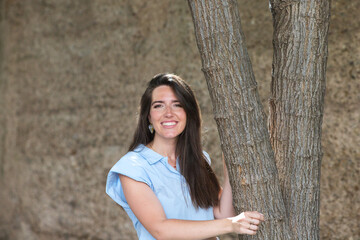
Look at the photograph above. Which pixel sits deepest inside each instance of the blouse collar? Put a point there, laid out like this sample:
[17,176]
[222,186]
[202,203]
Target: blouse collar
[150,155]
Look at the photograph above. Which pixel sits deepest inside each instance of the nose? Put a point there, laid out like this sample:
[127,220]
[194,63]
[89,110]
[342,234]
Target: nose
[168,112]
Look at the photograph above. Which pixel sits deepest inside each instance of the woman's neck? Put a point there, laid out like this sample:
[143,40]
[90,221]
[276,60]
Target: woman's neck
[164,147]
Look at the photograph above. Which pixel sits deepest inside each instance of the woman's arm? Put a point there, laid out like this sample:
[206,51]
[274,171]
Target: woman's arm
[225,208]
[147,208]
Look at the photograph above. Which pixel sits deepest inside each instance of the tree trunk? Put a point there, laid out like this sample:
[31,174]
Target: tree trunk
[296,107]
[239,115]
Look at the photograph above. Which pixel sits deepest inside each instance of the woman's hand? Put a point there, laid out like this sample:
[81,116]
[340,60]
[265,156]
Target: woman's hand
[247,222]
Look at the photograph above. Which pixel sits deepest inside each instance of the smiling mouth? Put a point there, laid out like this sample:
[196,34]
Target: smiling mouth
[169,123]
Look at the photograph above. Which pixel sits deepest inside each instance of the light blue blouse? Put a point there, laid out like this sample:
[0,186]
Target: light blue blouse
[145,165]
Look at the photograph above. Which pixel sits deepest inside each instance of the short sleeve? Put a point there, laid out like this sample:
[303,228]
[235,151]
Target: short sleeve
[131,165]
[207,157]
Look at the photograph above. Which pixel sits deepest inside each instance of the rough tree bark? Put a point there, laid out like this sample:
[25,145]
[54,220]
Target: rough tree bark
[239,114]
[296,107]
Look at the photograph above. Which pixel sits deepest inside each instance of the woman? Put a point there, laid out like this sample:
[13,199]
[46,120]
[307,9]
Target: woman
[165,182]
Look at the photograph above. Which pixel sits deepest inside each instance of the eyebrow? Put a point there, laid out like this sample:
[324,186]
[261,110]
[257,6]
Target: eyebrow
[174,101]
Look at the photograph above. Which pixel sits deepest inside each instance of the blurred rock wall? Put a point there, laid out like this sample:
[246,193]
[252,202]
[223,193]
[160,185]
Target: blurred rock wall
[72,73]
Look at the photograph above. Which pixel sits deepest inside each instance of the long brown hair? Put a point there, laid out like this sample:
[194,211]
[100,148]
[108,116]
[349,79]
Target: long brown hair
[203,184]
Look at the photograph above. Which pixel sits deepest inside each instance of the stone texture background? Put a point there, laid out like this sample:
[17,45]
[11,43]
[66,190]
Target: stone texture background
[72,73]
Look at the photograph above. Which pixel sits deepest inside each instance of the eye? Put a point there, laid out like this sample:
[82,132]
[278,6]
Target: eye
[178,105]
[158,105]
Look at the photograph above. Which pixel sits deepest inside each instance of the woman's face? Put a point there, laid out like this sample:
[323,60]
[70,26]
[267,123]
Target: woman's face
[166,113]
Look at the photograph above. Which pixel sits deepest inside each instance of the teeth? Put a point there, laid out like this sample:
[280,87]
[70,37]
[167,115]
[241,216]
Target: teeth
[169,124]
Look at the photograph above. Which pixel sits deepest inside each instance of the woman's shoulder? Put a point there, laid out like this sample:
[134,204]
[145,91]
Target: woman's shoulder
[132,165]
[133,162]
[135,156]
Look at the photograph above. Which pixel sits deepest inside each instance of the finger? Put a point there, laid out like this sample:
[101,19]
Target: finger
[254,221]
[253,227]
[245,225]
[248,231]
[255,215]
[262,217]
[249,226]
